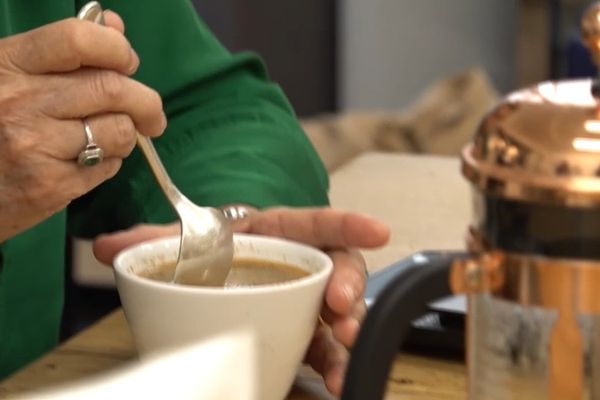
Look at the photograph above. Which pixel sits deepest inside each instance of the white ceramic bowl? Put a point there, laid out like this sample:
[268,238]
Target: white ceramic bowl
[280,317]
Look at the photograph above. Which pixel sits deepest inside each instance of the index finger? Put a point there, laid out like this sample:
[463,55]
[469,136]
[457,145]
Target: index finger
[114,20]
[69,45]
[321,227]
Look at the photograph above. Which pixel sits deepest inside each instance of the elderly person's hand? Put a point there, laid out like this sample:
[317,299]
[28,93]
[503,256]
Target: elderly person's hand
[51,80]
[339,233]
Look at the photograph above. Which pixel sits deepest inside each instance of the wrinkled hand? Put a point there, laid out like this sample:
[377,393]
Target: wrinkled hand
[339,233]
[50,79]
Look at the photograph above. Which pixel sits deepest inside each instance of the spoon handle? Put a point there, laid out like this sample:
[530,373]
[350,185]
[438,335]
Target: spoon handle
[158,169]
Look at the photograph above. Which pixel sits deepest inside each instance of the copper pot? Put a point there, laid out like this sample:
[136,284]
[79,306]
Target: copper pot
[533,272]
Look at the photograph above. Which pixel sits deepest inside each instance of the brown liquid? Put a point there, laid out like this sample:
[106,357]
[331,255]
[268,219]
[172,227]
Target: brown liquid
[244,272]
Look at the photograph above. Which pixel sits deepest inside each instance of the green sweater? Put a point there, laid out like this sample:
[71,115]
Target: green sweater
[232,138]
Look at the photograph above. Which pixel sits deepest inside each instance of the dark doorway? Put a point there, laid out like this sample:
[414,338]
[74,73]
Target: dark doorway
[295,38]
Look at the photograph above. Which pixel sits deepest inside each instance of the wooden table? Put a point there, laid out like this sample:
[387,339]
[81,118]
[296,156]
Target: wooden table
[426,204]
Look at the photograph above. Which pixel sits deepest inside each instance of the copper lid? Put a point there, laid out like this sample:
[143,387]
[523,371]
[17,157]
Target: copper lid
[542,144]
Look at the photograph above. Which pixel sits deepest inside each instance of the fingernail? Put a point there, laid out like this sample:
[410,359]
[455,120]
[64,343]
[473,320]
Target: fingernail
[354,327]
[134,62]
[349,292]
[165,121]
[383,229]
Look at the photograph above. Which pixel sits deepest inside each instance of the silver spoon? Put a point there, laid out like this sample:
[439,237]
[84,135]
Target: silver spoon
[206,246]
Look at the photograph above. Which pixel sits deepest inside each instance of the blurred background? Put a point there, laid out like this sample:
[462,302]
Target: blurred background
[386,75]
[348,54]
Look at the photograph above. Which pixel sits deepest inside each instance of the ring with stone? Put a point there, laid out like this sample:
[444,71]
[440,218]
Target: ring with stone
[236,212]
[92,154]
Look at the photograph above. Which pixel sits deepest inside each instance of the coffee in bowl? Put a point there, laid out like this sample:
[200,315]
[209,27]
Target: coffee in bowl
[244,272]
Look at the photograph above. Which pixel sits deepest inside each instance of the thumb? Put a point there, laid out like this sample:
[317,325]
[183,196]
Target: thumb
[106,247]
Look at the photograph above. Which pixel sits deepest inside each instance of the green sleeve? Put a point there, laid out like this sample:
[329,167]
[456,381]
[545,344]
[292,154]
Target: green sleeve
[232,135]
